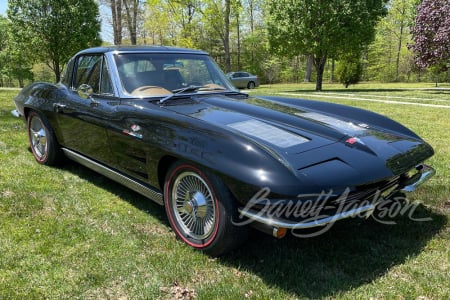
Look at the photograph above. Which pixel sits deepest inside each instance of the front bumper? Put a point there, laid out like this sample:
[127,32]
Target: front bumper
[424,173]
[361,208]
[16,113]
[365,210]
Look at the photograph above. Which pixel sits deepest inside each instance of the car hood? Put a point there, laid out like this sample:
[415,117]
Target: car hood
[302,135]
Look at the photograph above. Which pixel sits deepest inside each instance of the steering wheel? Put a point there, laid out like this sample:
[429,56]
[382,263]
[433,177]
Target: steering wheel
[150,90]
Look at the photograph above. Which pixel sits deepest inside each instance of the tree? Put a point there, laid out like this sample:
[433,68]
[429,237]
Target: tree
[349,69]
[217,15]
[322,29]
[132,8]
[56,28]
[158,21]
[14,64]
[389,57]
[431,34]
[116,13]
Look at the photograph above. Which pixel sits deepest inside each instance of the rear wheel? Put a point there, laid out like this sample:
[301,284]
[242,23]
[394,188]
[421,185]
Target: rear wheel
[251,85]
[200,210]
[42,140]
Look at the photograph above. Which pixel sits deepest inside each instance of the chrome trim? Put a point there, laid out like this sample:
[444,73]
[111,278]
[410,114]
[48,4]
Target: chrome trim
[16,113]
[256,216]
[425,171]
[116,176]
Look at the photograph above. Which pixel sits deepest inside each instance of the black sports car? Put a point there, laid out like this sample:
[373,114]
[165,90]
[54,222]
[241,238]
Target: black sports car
[167,123]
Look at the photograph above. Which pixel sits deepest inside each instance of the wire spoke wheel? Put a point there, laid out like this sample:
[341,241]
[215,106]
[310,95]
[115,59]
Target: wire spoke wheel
[200,209]
[38,138]
[194,205]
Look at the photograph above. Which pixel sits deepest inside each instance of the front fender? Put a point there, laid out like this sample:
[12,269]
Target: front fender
[243,164]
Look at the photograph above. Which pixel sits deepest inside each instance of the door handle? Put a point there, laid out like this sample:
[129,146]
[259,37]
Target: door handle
[58,107]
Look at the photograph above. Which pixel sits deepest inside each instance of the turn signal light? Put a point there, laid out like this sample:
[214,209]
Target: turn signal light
[279,232]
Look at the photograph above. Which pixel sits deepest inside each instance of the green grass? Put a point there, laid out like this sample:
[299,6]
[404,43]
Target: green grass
[70,233]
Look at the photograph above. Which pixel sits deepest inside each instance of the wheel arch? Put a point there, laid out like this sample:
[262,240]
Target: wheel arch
[167,161]
[163,167]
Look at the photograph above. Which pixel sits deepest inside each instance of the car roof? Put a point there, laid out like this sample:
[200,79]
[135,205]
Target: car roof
[153,49]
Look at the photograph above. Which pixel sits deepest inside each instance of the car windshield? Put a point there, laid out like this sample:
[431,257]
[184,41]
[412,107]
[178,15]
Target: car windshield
[157,74]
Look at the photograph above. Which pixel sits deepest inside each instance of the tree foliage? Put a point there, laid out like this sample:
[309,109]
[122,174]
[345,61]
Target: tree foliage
[322,29]
[389,57]
[349,70]
[431,34]
[53,30]
[236,33]
[13,64]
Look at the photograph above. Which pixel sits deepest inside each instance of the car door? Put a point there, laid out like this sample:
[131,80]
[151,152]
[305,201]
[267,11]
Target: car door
[84,116]
[240,80]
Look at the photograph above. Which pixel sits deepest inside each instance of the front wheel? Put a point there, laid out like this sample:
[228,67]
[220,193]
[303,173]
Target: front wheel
[200,210]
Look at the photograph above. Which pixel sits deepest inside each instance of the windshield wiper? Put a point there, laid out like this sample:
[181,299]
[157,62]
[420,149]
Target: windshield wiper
[191,88]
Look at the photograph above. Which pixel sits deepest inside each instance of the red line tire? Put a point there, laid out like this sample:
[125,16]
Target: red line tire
[42,140]
[200,210]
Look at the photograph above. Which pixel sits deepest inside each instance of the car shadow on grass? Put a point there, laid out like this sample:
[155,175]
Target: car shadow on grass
[124,193]
[351,253]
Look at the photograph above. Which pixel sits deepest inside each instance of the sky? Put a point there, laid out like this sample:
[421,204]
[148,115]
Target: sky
[3,7]
[106,33]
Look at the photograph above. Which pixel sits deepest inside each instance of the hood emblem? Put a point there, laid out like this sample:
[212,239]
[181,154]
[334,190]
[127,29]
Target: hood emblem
[135,131]
[354,140]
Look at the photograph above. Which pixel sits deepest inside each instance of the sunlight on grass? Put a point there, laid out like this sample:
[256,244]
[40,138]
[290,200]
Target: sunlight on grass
[70,233]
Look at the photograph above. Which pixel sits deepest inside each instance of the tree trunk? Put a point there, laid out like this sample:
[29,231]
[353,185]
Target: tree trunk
[319,63]
[238,25]
[116,13]
[309,63]
[399,49]
[332,71]
[252,29]
[226,37]
[132,19]
[57,71]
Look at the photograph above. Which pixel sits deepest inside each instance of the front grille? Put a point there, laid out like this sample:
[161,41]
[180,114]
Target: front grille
[327,204]
[368,191]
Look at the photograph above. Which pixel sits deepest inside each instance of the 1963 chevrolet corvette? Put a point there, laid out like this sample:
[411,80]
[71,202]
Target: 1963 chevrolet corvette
[168,124]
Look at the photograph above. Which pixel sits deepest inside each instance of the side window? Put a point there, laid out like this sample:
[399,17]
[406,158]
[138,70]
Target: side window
[67,74]
[105,84]
[93,70]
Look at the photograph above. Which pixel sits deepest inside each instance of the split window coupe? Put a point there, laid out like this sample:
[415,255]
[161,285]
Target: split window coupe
[167,123]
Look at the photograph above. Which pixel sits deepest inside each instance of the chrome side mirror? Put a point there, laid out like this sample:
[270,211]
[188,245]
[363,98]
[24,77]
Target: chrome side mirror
[85,91]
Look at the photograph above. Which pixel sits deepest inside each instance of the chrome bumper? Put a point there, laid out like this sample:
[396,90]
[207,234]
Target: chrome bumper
[16,113]
[423,173]
[256,216]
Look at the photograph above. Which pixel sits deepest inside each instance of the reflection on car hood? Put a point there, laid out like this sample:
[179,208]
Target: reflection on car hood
[290,130]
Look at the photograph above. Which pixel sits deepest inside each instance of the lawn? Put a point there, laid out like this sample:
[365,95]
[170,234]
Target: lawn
[70,233]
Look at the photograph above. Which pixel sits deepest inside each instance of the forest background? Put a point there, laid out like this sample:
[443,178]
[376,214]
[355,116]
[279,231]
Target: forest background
[267,38]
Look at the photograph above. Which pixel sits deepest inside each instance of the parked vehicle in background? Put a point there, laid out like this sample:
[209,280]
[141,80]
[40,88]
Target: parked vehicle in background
[243,80]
